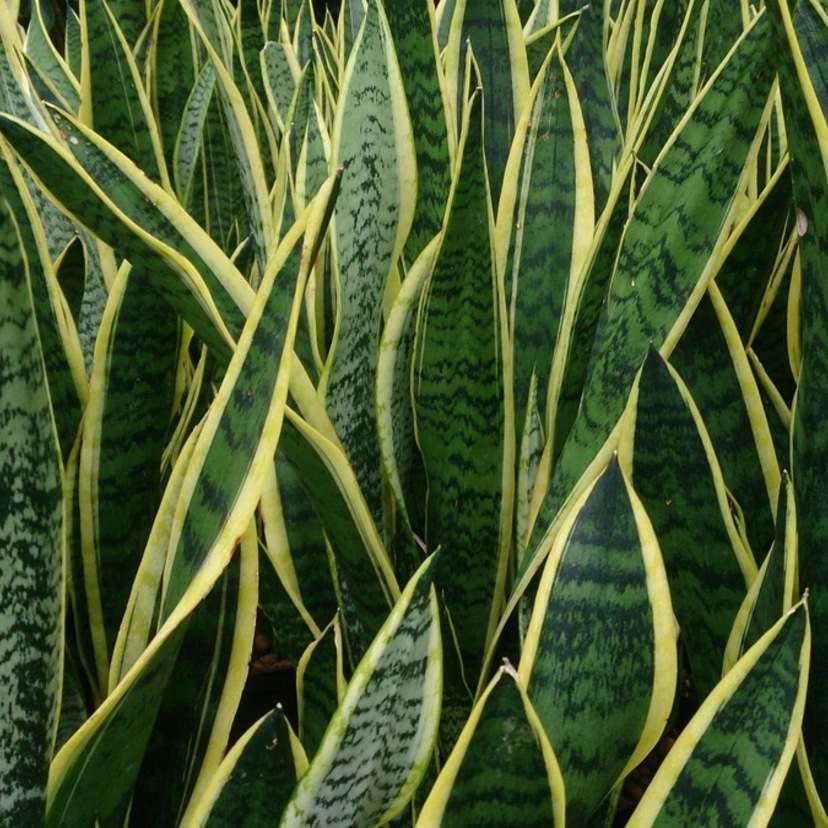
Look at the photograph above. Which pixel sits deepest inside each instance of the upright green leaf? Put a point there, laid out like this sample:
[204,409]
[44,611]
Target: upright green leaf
[668,252]
[502,770]
[412,26]
[727,766]
[459,404]
[677,477]
[599,660]
[378,743]
[113,96]
[373,142]
[31,588]
[492,29]
[800,38]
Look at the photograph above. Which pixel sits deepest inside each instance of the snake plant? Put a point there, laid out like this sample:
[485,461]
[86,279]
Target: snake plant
[478,346]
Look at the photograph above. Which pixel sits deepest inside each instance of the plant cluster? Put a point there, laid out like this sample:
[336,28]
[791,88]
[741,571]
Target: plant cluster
[479,348]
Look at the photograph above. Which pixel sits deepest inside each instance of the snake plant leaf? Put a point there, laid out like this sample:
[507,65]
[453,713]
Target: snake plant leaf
[295,539]
[195,712]
[141,221]
[31,540]
[189,140]
[16,95]
[220,642]
[372,139]
[728,764]
[330,484]
[493,29]
[281,69]
[800,34]
[48,63]
[255,781]
[677,477]
[413,27]
[113,98]
[111,744]
[131,19]
[62,354]
[236,447]
[502,770]
[554,190]
[669,250]
[174,77]
[599,660]
[772,593]
[749,267]
[459,395]
[585,58]
[241,131]
[124,430]
[529,458]
[378,743]
[395,423]
[72,42]
[320,685]
[712,362]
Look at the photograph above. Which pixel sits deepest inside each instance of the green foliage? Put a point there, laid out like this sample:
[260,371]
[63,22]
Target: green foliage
[480,348]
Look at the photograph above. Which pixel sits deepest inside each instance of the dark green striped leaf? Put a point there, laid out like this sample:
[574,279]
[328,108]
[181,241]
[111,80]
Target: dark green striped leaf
[239,440]
[412,27]
[31,566]
[502,770]
[492,28]
[114,99]
[727,766]
[800,40]
[260,773]
[124,429]
[459,404]
[378,744]
[677,477]
[599,660]
[668,250]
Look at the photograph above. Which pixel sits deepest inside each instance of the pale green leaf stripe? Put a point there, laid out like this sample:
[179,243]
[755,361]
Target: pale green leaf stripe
[373,142]
[727,766]
[668,252]
[602,617]
[378,743]
[31,546]
[502,771]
